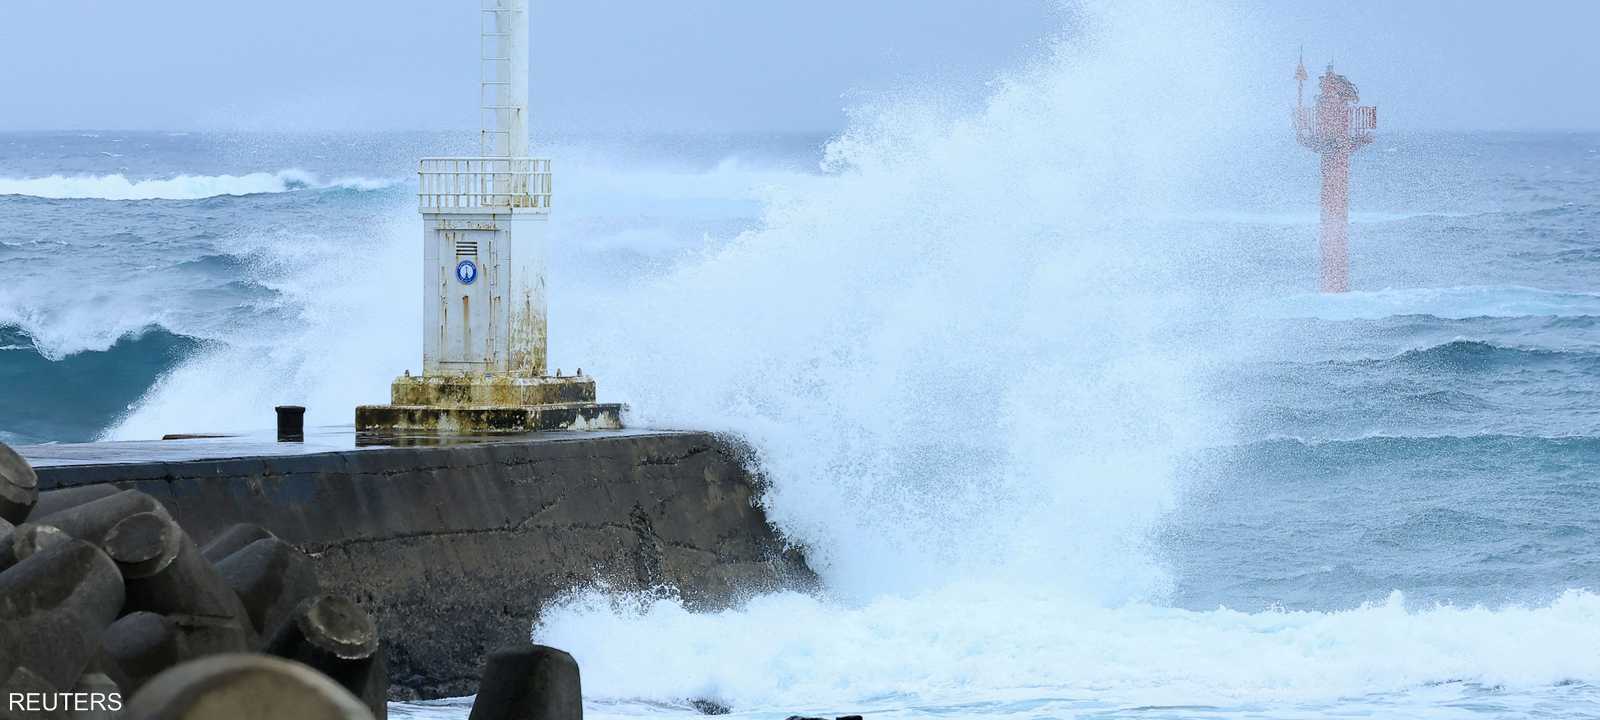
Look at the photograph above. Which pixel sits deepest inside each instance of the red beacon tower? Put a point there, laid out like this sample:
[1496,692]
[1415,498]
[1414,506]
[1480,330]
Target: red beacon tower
[1334,128]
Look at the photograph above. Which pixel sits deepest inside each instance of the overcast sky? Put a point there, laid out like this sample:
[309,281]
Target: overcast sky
[718,65]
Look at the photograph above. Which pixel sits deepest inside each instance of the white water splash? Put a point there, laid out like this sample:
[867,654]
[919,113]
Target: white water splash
[966,352]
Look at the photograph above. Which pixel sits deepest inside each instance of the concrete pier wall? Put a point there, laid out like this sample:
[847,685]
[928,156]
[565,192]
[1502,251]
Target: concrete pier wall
[455,549]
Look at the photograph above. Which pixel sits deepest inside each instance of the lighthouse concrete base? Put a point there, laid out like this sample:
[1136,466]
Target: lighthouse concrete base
[472,405]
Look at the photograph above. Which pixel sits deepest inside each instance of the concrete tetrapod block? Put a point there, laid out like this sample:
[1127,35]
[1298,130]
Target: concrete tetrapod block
[139,646]
[234,538]
[271,578]
[6,529]
[54,501]
[532,682]
[142,644]
[244,687]
[54,607]
[337,637]
[165,574]
[91,521]
[26,540]
[96,697]
[39,699]
[19,486]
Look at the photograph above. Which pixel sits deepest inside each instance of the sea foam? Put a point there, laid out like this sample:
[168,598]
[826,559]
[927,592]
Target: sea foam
[1000,646]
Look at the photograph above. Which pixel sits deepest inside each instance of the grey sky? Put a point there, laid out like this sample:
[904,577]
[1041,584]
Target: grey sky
[718,65]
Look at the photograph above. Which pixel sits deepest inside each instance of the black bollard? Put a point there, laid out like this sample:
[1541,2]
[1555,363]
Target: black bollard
[338,638]
[233,539]
[271,578]
[532,682]
[291,423]
[19,486]
[54,607]
[243,686]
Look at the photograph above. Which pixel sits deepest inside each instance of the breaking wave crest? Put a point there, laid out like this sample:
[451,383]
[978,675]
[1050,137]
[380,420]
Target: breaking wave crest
[181,187]
[1479,356]
[73,397]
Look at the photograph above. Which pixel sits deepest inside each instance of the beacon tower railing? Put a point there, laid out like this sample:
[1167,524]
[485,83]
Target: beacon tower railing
[1357,122]
[445,183]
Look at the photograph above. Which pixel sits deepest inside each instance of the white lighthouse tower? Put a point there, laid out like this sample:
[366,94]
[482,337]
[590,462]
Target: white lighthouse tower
[484,219]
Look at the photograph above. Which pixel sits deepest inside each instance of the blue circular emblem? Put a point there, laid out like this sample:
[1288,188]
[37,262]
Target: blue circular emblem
[466,272]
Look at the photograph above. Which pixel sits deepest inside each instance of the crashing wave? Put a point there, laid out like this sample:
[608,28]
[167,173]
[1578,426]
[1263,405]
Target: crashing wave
[1004,643]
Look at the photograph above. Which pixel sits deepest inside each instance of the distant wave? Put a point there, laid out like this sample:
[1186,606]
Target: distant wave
[1436,445]
[1453,303]
[1479,355]
[1245,217]
[1297,458]
[181,187]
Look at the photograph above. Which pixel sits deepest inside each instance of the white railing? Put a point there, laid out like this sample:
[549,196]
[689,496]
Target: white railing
[1312,125]
[1366,118]
[483,182]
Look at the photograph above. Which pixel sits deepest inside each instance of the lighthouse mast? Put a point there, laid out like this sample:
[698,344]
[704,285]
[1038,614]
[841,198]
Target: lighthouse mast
[1333,128]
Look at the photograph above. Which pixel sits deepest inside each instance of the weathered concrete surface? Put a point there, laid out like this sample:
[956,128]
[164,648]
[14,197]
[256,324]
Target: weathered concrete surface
[488,418]
[469,404]
[454,549]
[497,390]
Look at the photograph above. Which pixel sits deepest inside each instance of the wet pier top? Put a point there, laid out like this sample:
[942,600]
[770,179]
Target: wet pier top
[186,448]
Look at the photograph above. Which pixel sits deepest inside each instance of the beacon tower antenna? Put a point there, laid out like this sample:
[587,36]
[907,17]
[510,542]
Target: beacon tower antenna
[503,79]
[484,219]
[1333,128]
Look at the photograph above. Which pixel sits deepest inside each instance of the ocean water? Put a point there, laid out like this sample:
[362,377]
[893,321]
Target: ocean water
[1042,386]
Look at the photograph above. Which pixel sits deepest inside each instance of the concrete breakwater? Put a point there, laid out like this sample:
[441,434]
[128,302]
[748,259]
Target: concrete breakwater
[453,549]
